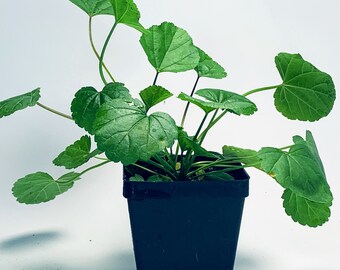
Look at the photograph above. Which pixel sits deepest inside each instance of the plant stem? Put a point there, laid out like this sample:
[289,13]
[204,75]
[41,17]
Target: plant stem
[54,111]
[211,124]
[94,167]
[95,51]
[261,89]
[286,147]
[188,103]
[205,132]
[200,127]
[144,168]
[103,53]
[156,77]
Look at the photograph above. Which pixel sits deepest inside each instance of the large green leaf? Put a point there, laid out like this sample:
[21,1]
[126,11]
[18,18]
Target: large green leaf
[41,187]
[207,67]
[153,95]
[11,105]
[126,12]
[126,133]
[246,156]
[306,93]
[87,101]
[95,7]
[299,170]
[75,155]
[304,211]
[169,48]
[204,105]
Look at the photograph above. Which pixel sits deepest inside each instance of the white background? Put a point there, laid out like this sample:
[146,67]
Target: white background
[45,44]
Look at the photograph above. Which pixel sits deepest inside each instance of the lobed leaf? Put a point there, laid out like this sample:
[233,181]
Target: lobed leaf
[41,187]
[153,95]
[127,134]
[169,48]
[208,68]
[75,155]
[95,7]
[204,105]
[87,101]
[306,93]
[11,105]
[246,156]
[304,211]
[126,12]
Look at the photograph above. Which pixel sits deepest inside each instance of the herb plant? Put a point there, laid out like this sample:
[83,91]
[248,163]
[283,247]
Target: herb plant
[125,131]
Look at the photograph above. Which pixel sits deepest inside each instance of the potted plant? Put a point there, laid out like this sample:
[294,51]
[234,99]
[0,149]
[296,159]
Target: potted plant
[170,179]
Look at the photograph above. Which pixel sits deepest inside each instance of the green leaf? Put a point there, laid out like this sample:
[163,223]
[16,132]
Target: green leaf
[306,93]
[75,155]
[186,143]
[159,178]
[218,176]
[246,156]
[11,105]
[126,12]
[136,178]
[126,133]
[221,99]
[299,170]
[169,48]
[304,211]
[153,95]
[41,187]
[207,67]
[87,101]
[95,7]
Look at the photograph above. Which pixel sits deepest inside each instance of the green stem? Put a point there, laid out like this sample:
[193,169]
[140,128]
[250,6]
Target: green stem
[155,80]
[95,153]
[188,103]
[54,111]
[286,147]
[95,51]
[261,89]
[200,127]
[213,121]
[103,53]
[94,167]
[145,169]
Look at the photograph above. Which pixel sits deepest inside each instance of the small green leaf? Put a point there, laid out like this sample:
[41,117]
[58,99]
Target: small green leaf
[95,7]
[204,105]
[75,155]
[186,143]
[126,12]
[299,170]
[136,178]
[127,134]
[169,48]
[221,99]
[153,95]
[87,101]
[208,68]
[306,93]
[304,211]
[41,187]
[11,105]
[159,178]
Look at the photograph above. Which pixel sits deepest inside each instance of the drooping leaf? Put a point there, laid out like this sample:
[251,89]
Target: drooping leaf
[208,68]
[218,176]
[95,7]
[169,48]
[41,187]
[221,99]
[306,93]
[153,95]
[127,134]
[298,170]
[187,143]
[304,211]
[87,101]
[228,100]
[204,105]
[75,155]
[126,12]
[246,156]
[11,105]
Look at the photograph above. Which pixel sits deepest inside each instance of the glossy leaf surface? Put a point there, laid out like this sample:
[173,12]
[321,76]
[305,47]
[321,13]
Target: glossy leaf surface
[169,48]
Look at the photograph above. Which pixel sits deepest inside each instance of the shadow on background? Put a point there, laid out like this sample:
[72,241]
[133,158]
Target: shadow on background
[31,240]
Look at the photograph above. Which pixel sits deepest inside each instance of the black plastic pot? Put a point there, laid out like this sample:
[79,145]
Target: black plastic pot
[186,225]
